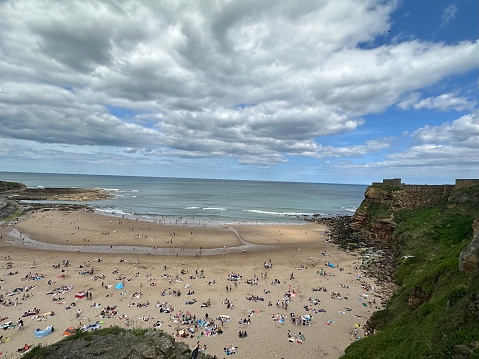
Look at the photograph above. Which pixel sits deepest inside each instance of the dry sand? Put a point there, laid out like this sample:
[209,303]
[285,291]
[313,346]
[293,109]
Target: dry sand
[34,245]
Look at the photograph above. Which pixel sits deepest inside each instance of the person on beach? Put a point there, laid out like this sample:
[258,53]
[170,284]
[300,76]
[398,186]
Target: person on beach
[24,348]
[195,352]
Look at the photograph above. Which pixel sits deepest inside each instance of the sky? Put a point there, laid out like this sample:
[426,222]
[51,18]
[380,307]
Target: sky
[347,91]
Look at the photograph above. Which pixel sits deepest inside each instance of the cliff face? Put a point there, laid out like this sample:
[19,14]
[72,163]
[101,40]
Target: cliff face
[376,217]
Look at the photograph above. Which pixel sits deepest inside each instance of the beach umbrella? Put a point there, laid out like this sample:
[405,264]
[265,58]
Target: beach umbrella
[69,331]
[119,285]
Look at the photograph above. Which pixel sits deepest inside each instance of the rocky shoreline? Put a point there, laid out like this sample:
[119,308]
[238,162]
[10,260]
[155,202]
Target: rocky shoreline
[62,194]
[10,205]
[378,258]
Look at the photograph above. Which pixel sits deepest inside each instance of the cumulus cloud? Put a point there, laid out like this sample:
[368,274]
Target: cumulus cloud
[431,155]
[257,81]
[49,114]
[463,132]
[444,102]
[450,145]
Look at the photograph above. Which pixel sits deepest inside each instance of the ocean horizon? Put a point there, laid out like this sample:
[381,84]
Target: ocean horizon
[189,201]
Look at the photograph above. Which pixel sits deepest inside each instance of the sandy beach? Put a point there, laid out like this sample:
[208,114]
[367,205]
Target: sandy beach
[294,293]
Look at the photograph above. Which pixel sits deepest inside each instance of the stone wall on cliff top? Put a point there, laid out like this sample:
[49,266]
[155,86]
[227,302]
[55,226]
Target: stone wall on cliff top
[393,192]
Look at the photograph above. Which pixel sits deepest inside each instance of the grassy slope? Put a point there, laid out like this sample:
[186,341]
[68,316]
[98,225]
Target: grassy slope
[435,237]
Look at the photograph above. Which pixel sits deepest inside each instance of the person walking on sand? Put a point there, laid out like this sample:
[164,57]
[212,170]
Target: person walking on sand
[195,352]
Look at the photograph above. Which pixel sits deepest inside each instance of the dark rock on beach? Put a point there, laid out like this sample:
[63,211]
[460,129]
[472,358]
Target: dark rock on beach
[8,208]
[121,343]
[11,193]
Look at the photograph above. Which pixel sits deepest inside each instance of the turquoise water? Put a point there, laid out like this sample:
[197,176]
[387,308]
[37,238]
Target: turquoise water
[201,201]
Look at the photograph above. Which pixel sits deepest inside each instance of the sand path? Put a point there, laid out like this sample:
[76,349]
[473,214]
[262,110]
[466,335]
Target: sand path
[22,240]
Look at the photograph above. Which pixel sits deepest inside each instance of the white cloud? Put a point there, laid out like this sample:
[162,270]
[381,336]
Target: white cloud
[451,145]
[445,102]
[448,14]
[447,151]
[463,132]
[409,100]
[430,155]
[372,146]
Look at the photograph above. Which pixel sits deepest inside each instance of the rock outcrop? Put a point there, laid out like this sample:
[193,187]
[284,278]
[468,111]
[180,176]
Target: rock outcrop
[469,259]
[62,194]
[8,208]
[122,344]
[8,187]
[417,297]
[11,193]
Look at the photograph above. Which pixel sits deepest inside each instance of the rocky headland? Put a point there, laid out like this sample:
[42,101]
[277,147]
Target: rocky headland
[11,193]
[61,194]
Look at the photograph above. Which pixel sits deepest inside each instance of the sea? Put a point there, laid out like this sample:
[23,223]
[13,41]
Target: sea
[188,201]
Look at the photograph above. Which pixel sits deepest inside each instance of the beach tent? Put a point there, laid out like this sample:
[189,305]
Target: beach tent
[69,331]
[43,333]
[119,286]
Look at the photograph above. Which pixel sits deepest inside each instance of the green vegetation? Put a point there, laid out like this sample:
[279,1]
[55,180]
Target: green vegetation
[12,216]
[378,212]
[434,237]
[10,186]
[36,352]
